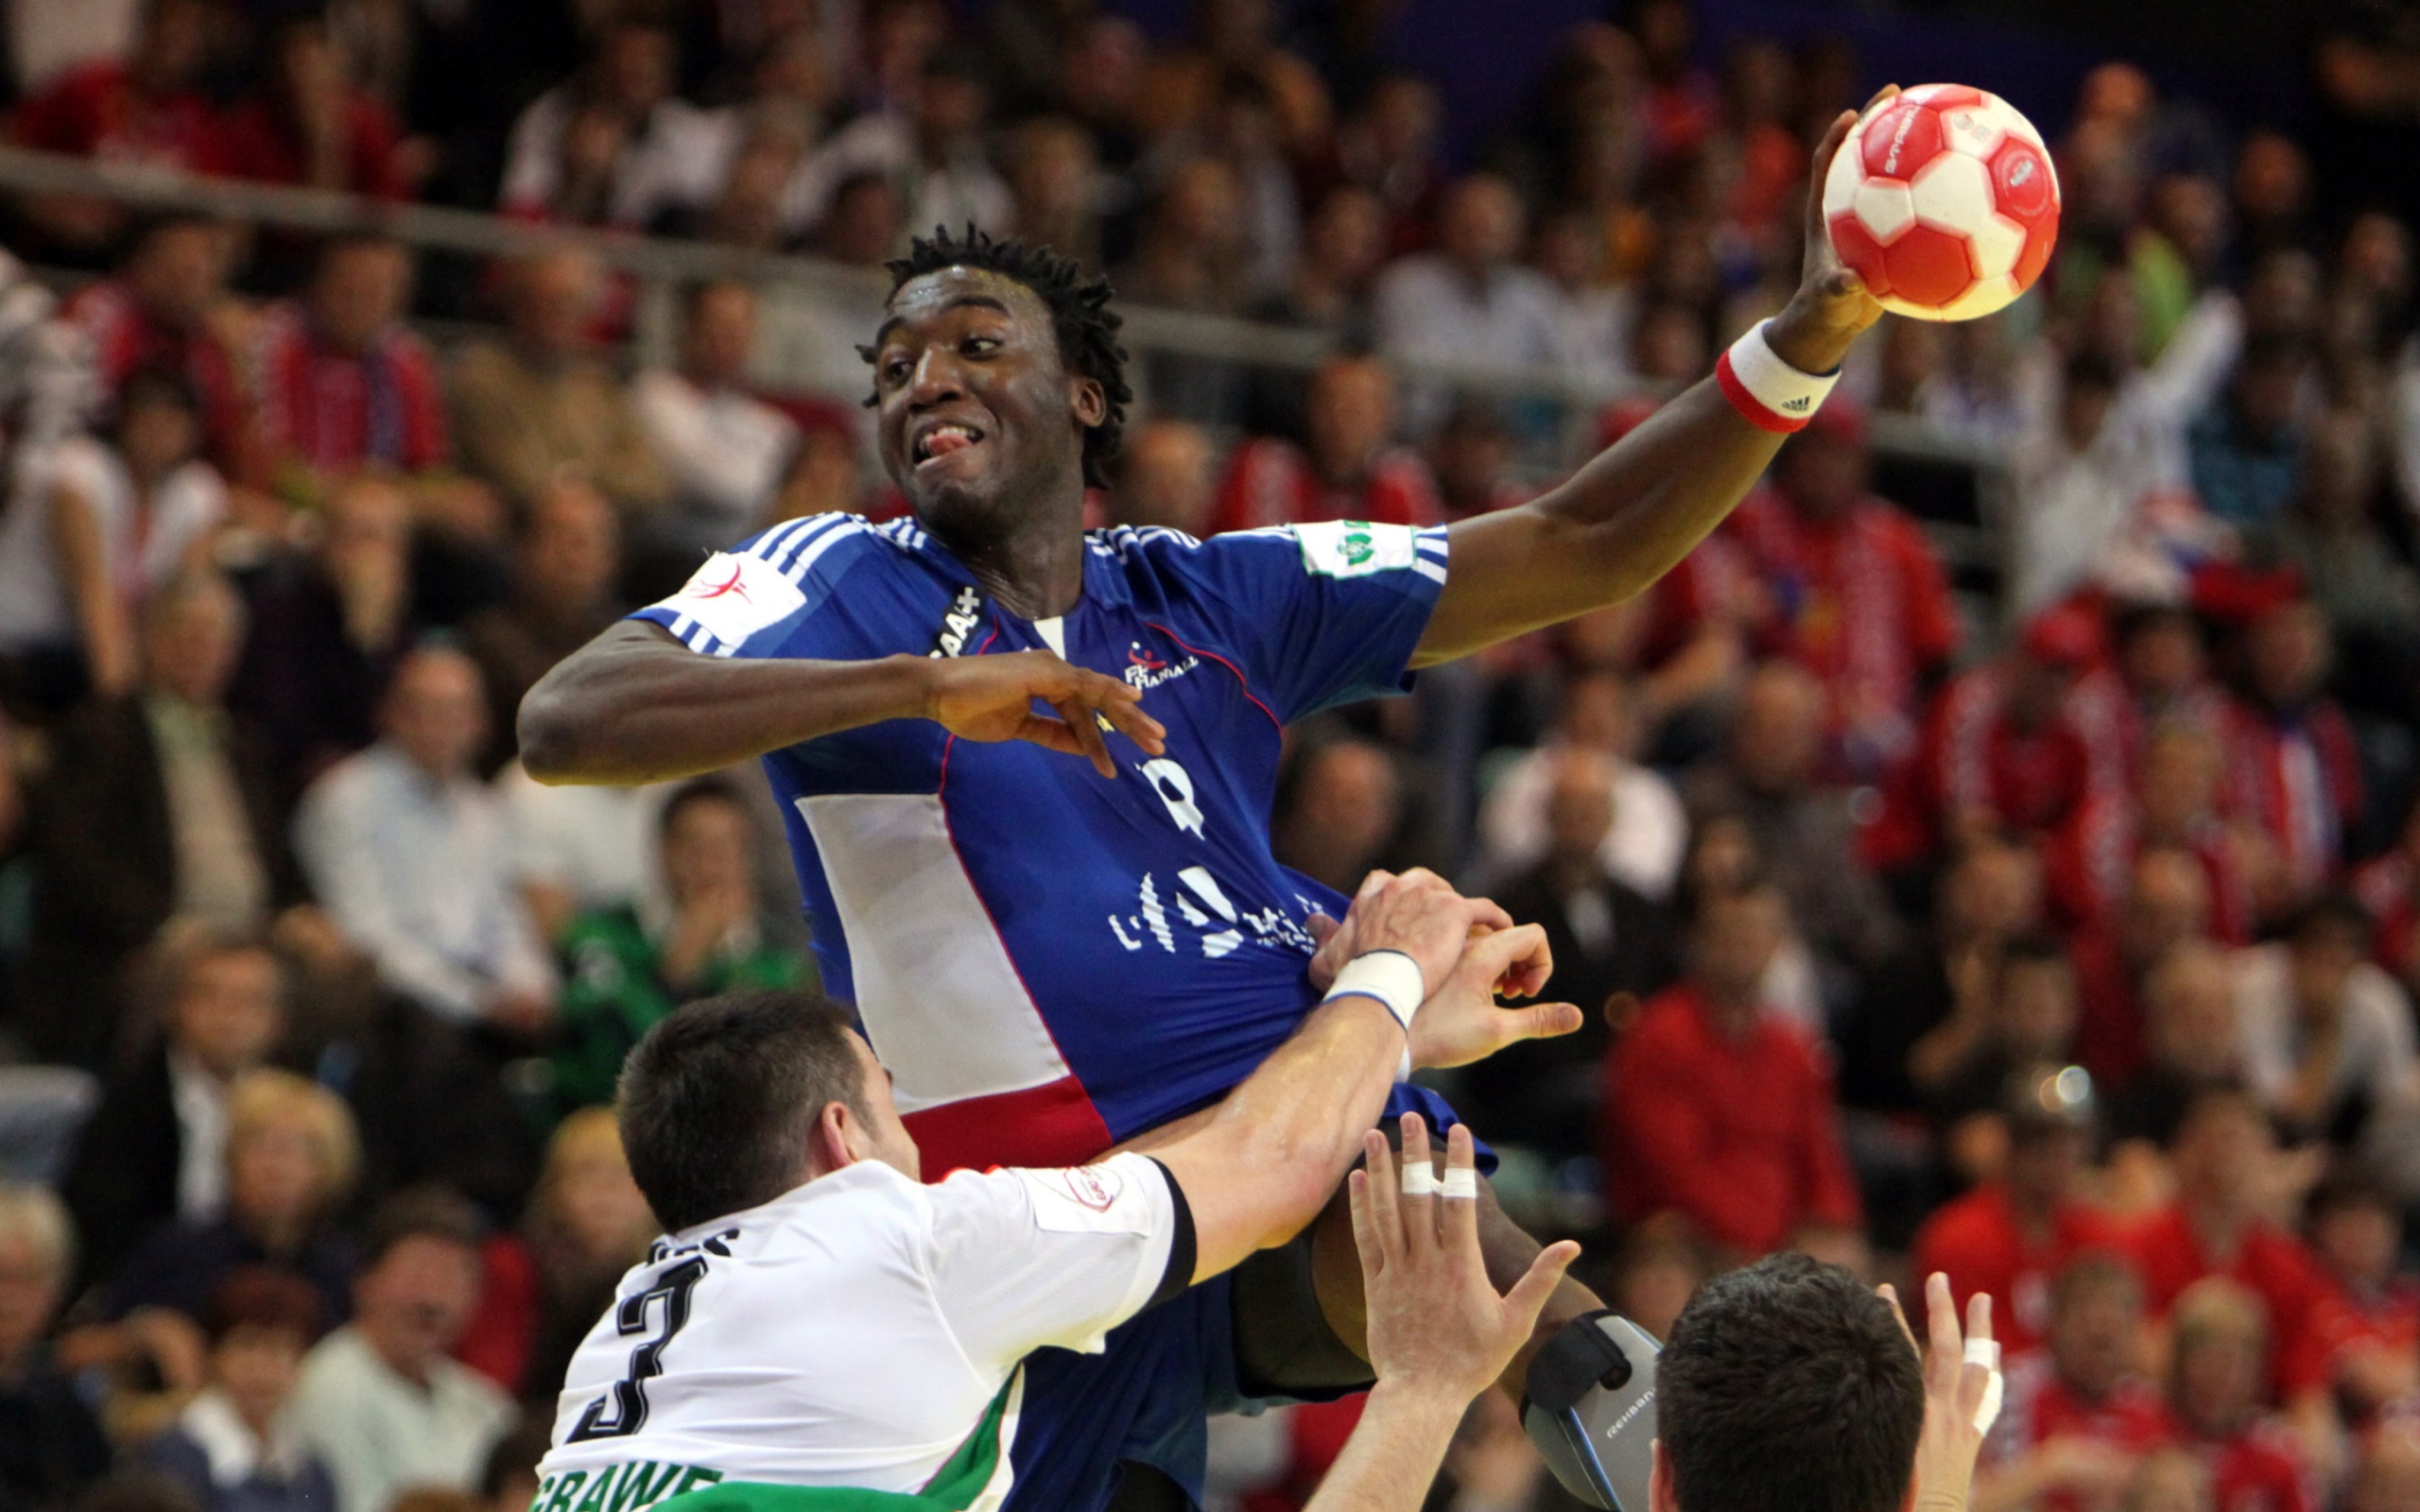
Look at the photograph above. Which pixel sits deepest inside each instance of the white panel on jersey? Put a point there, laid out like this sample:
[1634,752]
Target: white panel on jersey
[1054,634]
[1349,548]
[941,1000]
[733,597]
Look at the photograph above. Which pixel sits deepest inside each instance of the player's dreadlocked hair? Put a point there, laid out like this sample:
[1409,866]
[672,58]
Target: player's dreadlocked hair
[1079,314]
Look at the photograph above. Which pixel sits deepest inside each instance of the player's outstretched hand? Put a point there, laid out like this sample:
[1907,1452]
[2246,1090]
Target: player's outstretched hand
[1436,1326]
[1831,306]
[1461,1022]
[1418,913]
[1961,1395]
[991,697]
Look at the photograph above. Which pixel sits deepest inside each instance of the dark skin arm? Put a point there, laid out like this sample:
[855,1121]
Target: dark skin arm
[634,705]
[1633,511]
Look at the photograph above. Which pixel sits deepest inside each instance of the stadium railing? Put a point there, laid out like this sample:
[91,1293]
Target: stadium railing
[1961,488]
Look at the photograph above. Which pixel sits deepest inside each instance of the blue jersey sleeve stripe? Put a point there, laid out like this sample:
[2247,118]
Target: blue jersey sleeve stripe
[1429,570]
[824,527]
[773,540]
[806,559]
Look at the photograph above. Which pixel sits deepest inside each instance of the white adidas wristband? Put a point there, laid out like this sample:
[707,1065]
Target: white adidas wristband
[1767,392]
[1392,977]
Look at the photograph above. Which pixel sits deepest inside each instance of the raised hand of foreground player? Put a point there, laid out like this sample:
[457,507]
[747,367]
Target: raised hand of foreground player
[1962,1394]
[1462,1020]
[991,698]
[1814,331]
[1438,1334]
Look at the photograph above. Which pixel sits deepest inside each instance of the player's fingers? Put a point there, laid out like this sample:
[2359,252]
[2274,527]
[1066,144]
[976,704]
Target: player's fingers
[1365,1226]
[1386,1203]
[1879,95]
[1528,1298]
[1891,1295]
[1122,705]
[1320,928]
[1947,1348]
[1978,1317]
[1818,168]
[1545,1021]
[1487,913]
[1459,1219]
[1049,733]
[1979,1358]
[1516,960]
[1078,718]
[1419,1188]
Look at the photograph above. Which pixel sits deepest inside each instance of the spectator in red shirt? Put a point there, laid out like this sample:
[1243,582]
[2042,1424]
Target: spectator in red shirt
[2223,1160]
[2174,803]
[1858,596]
[2215,1371]
[1348,471]
[2295,773]
[2389,888]
[2362,1349]
[344,382]
[2077,1418]
[2195,1045]
[168,308]
[1719,1110]
[142,110]
[2167,905]
[2000,757]
[2011,1236]
[309,123]
[2159,675]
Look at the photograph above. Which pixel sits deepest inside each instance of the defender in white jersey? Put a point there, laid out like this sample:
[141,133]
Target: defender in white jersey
[819,1331]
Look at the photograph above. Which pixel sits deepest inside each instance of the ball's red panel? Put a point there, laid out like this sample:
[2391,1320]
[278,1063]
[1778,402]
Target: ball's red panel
[2039,239]
[1944,97]
[2021,182]
[1860,252]
[1899,139]
[1929,265]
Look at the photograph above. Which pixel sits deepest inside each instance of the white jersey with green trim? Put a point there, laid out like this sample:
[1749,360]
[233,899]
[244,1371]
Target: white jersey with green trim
[856,1331]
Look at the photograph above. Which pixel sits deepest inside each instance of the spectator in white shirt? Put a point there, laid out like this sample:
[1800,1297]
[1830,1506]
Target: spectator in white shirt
[2326,1035]
[379,1402]
[1650,829]
[726,452]
[935,154]
[672,155]
[409,854]
[1468,305]
[94,528]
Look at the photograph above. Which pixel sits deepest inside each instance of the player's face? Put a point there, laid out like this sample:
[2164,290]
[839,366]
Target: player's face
[886,1133]
[978,413]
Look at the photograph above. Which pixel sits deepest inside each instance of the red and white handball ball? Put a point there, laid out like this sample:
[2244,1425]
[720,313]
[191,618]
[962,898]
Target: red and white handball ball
[1943,200]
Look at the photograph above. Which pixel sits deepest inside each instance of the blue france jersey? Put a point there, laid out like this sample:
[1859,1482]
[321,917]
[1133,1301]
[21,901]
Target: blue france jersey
[1047,961]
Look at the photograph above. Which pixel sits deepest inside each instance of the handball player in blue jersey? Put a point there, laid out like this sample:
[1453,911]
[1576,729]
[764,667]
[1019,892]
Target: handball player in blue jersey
[1027,769]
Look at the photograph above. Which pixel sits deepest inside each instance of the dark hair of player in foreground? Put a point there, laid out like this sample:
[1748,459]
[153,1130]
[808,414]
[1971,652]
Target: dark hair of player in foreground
[1788,1387]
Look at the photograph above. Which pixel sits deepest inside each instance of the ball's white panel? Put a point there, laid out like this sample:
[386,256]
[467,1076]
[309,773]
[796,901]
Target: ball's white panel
[1990,294]
[1972,131]
[2012,120]
[1996,241]
[1840,185]
[1953,192]
[1886,208]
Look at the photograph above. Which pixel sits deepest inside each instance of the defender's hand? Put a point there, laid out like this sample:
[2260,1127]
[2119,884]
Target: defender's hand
[1436,1325]
[1831,307]
[991,697]
[1461,1023]
[1954,1393]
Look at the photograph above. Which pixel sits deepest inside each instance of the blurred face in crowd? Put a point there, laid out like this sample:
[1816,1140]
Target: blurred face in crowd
[228,1013]
[2161,658]
[2289,653]
[554,299]
[2282,297]
[158,433]
[257,1367]
[1103,70]
[2217,1375]
[1164,478]
[2042,1165]
[636,68]
[436,713]
[592,1197]
[1350,412]
[1202,209]
[2036,690]
[1821,473]
[2219,1149]
[1347,804]
[1579,806]
[2168,903]
[1481,227]
[722,328]
[174,40]
[1347,237]
[180,272]
[570,548]
[2037,1005]
[2387,1477]
[864,222]
[2376,256]
[2170,1480]
[1596,714]
[1653,1292]
[367,527]
[2084,408]
[2358,1242]
[2266,394]
[1468,457]
[1401,117]
[1994,892]
[362,290]
[2190,211]
[1735,941]
[2177,782]
[2340,471]
[192,636]
[2092,1332]
[276,1175]
[2192,1014]
[30,1286]
[412,1305]
[1050,173]
[1777,736]
[2324,954]
[2271,177]
[709,843]
[1669,343]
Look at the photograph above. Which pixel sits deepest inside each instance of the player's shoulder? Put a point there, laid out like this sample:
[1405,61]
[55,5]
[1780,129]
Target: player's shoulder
[1327,548]
[781,573]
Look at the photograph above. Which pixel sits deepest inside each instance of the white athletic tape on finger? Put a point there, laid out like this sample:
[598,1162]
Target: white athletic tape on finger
[1419,1179]
[1985,1352]
[1462,1181]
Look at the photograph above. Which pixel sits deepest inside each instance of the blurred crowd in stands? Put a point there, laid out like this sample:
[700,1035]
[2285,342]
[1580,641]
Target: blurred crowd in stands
[2047,915]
